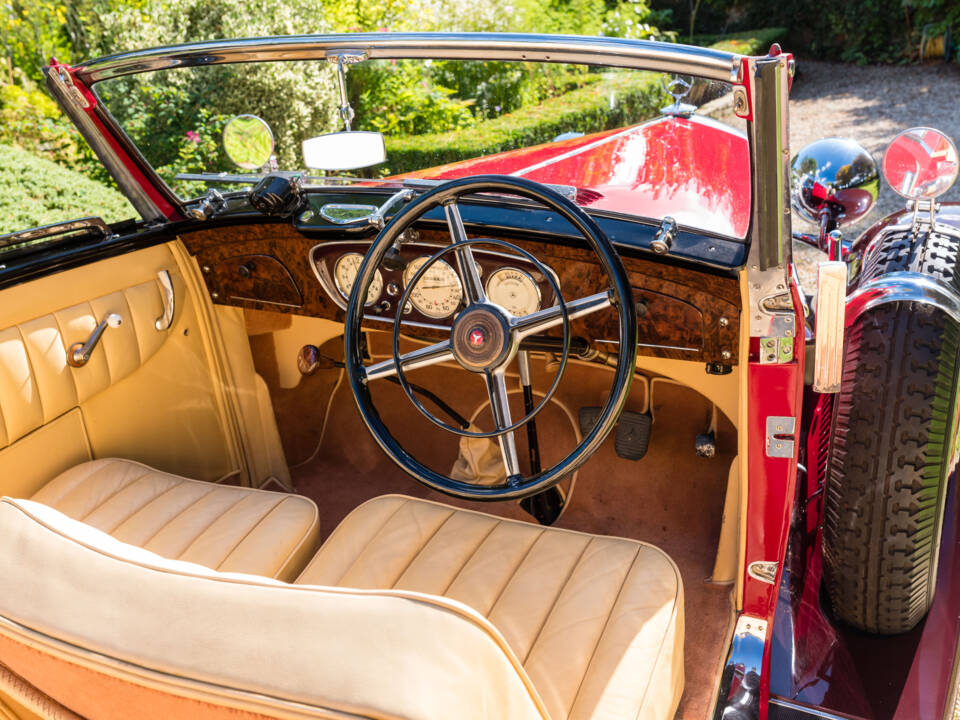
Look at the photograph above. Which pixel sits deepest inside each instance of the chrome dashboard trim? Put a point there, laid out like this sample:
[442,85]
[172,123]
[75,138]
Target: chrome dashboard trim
[609,51]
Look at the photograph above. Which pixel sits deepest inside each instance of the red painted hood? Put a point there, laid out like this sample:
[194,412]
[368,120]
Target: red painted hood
[695,170]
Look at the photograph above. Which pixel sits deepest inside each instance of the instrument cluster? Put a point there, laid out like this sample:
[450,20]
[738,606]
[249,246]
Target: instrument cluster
[509,280]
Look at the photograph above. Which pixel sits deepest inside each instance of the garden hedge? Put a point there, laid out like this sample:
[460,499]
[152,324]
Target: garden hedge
[609,101]
[34,191]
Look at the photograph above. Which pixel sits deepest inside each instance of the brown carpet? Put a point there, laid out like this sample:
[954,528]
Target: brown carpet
[671,498]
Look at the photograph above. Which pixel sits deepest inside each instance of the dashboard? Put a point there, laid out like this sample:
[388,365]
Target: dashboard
[683,313]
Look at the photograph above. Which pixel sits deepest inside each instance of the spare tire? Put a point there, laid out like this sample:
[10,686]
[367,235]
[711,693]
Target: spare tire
[892,431]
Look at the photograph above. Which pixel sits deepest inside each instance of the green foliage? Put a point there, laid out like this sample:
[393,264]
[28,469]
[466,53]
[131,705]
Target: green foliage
[867,31]
[34,191]
[600,102]
[31,121]
[403,98]
[748,42]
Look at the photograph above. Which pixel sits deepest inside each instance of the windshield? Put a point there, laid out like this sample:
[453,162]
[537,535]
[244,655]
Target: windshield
[599,131]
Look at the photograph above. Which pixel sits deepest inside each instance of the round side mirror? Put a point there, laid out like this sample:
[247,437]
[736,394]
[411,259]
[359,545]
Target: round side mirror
[836,176]
[920,163]
[248,142]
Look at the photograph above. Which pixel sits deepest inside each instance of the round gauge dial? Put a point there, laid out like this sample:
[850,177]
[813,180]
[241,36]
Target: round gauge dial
[513,290]
[345,274]
[438,292]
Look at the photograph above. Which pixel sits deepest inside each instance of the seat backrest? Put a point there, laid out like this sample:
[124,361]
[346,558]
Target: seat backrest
[97,624]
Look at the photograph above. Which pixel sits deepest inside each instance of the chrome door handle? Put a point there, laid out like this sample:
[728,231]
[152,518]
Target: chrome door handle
[169,301]
[79,353]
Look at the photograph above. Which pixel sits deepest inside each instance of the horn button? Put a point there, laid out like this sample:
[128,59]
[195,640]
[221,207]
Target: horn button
[480,338]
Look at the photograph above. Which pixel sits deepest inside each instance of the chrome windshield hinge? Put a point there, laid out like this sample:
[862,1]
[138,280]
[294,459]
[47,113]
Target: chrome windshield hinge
[64,82]
[780,440]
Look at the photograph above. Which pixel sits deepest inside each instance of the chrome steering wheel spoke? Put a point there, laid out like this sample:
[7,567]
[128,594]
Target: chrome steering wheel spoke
[537,322]
[421,357]
[466,263]
[500,407]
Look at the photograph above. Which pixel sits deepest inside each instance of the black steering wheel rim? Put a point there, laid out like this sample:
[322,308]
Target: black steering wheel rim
[621,297]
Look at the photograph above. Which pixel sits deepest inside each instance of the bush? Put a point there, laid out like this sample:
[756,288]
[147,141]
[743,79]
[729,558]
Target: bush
[748,42]
[606,101]
[34,191]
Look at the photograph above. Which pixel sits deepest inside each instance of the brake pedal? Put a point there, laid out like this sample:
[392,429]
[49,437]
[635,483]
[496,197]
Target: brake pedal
[588,418]
[633,435]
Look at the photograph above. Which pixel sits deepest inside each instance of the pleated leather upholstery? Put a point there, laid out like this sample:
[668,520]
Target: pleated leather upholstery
[36,382]
[223,527]
[596,621]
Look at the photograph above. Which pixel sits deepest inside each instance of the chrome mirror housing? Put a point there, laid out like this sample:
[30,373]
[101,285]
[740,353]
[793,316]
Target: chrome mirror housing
[920,164]
[248,142]
[834,182]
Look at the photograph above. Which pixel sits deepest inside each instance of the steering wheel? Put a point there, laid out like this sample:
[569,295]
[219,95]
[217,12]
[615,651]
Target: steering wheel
[485,337]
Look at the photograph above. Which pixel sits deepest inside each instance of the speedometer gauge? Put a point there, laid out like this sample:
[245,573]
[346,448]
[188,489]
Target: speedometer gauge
[513,290]
[438,292]
[345,274]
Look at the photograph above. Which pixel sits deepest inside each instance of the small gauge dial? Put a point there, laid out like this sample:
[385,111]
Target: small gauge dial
[438,292]
[345,274]
[513,290]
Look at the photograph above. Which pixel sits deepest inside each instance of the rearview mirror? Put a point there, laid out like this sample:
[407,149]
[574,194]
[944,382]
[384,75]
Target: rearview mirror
[920,163]
[344,151]
[248,142]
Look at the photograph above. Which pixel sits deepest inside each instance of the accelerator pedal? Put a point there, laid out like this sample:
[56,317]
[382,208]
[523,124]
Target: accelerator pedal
[633,435]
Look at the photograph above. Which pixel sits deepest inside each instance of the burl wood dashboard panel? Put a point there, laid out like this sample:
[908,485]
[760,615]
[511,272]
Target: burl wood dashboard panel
[684,314]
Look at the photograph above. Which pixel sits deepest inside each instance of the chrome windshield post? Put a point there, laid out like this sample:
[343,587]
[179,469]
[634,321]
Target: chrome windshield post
[771,312]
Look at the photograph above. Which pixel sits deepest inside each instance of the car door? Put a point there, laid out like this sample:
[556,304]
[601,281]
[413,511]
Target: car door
[169,381]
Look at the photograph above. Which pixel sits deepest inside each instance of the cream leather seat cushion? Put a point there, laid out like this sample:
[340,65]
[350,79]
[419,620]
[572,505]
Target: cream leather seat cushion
[245,642]
[597,622]
[223,527]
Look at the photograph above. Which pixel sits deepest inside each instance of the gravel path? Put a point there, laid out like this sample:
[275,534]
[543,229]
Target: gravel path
[869,104]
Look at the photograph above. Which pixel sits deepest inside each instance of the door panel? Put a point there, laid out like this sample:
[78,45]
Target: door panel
[151,395]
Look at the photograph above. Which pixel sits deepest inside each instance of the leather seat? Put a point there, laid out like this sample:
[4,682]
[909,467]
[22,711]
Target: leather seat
[410,609]
[597,622]
[224,527]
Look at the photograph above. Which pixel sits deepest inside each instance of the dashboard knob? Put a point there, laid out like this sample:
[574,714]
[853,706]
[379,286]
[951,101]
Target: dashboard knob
[308,359]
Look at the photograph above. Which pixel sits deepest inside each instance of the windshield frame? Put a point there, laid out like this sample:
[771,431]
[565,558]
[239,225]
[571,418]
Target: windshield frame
[764,80]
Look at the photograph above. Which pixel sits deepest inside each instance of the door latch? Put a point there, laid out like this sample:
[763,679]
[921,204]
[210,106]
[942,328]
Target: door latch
[780,439]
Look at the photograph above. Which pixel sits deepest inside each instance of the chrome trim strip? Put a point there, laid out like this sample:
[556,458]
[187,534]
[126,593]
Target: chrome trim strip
[62,228]
[609,51]
[811,711]
[745,661]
